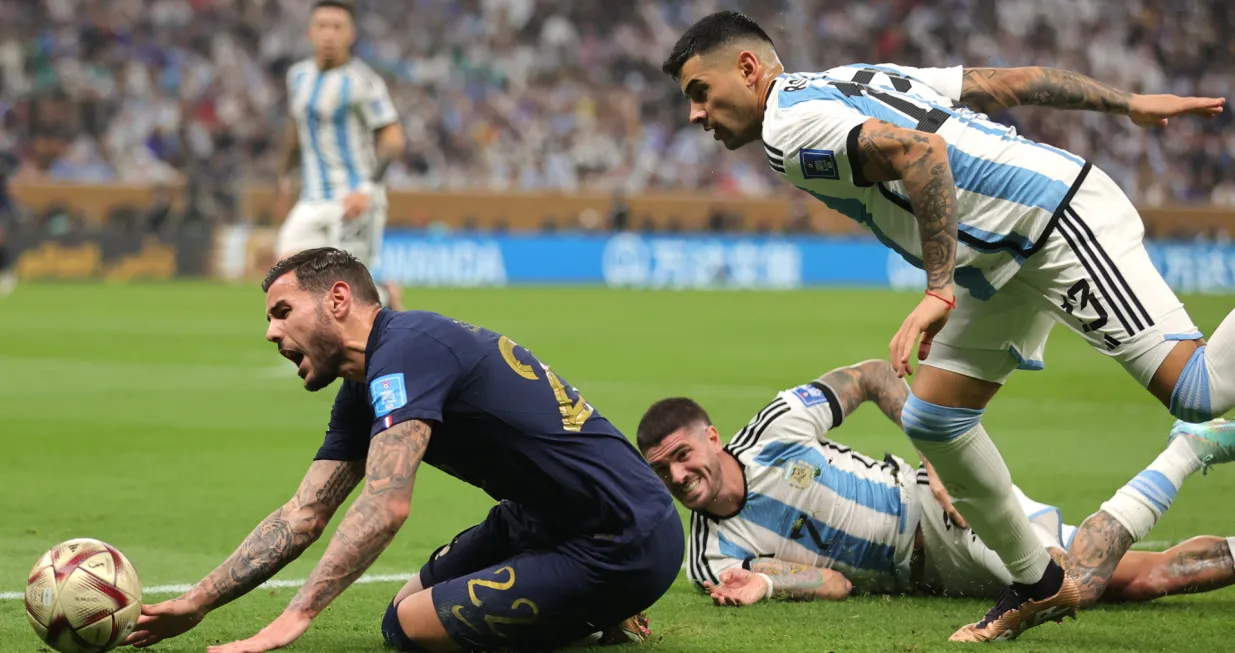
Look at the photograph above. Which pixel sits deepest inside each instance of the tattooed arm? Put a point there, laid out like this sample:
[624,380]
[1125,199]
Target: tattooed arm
[920,161]
[282,536]
[872,380]
[788,581]
[372,521]
[278,540]
[885,152]
[990,89]
[802,582]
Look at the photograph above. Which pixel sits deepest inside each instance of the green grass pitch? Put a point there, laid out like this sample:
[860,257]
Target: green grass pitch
[155,417]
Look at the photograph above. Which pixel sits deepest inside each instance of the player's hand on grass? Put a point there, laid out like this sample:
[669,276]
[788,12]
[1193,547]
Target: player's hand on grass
[281,632]
[739,587]
[355,205]
[1154,110]
[925,321]
[164,621]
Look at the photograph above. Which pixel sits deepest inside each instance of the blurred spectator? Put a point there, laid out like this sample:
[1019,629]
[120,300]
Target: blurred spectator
[563,94]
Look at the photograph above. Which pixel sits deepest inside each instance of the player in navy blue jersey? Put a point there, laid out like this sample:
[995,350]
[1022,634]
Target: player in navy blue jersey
[584,535]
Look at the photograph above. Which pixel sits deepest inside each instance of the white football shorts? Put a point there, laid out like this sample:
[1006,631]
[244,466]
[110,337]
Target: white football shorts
[960,564]
[1089,271]
[320,223]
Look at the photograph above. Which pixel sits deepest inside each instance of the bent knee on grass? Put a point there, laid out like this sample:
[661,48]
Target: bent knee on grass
[420,622]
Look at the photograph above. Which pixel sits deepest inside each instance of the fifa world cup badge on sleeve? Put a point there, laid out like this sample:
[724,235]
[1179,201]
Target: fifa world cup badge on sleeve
[818,164]
[387,394]
[810,395]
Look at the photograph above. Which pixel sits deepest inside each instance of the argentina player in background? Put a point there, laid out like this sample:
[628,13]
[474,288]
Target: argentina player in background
[1014,236]
[343,134]
[785,511]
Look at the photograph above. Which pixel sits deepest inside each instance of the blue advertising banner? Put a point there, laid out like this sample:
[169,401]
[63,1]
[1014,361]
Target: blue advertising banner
[735,261]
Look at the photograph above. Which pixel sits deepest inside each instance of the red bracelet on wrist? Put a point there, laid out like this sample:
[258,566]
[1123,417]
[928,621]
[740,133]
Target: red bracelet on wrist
[950,302]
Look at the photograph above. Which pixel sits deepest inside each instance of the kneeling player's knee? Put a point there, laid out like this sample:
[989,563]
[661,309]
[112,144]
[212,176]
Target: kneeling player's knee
[392,632]
[923,420]
[1198,395]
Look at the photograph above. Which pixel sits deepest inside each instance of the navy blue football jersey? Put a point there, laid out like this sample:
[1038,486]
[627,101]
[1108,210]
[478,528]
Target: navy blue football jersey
[503,421]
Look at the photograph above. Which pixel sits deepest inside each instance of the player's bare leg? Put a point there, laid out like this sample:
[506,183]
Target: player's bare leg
[421,625]
[412,586]
[1100,544]
[1201,564]
[943,417]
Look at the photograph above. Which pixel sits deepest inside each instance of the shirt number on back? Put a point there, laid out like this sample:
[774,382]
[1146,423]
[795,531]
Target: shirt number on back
[574,413]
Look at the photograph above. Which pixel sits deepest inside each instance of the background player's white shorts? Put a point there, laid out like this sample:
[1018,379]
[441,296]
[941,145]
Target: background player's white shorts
[959,564]
[320,223]
[1090,272]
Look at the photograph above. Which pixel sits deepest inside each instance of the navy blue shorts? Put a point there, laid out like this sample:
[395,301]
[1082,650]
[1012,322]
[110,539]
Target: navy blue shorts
[506,584]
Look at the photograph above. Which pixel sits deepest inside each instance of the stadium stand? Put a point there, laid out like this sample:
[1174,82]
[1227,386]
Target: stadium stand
[559,95]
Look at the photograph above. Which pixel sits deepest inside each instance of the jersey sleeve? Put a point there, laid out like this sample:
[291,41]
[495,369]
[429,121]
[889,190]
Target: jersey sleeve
[815,410]
[410,378]
[376,108]
[347,436]
[944,81]
[814,136]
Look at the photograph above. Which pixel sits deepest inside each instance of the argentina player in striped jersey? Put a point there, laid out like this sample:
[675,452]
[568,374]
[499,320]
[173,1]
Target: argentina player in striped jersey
[786,511]
[1013,235]
[343,134]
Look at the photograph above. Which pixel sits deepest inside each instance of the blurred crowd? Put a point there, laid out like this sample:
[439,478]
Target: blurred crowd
[561,94]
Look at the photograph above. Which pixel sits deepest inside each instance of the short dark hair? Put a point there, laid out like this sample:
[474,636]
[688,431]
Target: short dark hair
[711,32]
[317,270]
[667,416]
[337,4]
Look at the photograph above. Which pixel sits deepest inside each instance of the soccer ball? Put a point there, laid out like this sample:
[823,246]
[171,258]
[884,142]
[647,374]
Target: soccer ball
[83,596]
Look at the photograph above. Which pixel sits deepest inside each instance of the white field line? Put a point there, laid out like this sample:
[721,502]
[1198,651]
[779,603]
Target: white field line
[1154,545]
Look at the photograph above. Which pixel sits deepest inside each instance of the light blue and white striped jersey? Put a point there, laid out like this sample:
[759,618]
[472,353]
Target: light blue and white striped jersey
[1008,187]
[336,112]
[811,501]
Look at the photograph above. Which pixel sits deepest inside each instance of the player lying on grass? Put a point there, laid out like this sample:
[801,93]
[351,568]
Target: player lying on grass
[583,536]
[784,511]
[1013,236]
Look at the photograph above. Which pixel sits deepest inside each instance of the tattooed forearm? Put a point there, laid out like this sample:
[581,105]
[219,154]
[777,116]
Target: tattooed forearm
[373,520]
[1098,546]
[802,582]
[282,536]
[991,89]
[278,540]
[920,161]
[873,380]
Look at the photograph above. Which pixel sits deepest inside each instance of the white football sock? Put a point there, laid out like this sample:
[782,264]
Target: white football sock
[981,488]
[1139,505]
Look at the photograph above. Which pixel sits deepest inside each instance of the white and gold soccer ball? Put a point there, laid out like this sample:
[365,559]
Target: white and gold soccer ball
[83,596]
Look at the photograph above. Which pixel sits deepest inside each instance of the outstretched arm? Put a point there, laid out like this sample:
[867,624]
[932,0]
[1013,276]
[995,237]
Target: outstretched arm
[772,578]
[991,89]
[367,529]
[279,539]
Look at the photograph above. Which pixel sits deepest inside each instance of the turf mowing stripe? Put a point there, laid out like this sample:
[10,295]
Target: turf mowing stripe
[1153,545]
